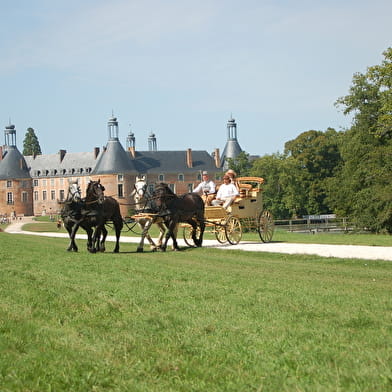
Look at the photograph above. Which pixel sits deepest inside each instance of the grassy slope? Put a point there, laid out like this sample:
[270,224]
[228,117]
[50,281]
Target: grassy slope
[197,320]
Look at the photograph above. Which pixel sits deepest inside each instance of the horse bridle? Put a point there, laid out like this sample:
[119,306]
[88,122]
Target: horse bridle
[73,192]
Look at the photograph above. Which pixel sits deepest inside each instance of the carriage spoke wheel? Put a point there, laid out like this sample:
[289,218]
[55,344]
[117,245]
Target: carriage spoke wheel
[220,233]
[265,226]
[233,230]
[187,234]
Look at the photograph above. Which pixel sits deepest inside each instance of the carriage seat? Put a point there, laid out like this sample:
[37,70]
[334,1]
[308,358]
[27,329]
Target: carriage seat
[245,189]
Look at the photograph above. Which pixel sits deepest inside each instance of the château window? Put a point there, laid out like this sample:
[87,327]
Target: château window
[180,177]
[43,195]
[24,197]
[161,177]
[53,195]
[61,194]
[120,178]
[35,195]
[10,198]
[120,190]
[9,184]
[35,182]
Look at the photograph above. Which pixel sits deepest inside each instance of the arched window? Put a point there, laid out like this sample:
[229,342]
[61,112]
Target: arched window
[180,177]
[161,177]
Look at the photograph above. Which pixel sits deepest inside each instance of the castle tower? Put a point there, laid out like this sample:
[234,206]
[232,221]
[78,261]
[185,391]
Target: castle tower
[152,142]
[232,148]
[113,128]
[10,136]
[130,140]
[15,180]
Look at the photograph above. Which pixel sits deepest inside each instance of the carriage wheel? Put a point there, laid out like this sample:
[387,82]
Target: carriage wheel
[220,233]
[233,230]
[265,226]
[187,234]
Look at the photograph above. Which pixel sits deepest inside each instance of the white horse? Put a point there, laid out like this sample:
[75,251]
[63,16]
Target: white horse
[141,196]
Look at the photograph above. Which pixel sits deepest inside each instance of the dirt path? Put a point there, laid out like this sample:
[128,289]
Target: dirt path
[339,251]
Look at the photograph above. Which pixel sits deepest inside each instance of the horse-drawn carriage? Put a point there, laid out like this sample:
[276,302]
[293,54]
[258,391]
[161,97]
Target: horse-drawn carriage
[246,213]
[169,212]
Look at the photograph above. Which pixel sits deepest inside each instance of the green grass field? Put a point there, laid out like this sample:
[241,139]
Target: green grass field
[196,320]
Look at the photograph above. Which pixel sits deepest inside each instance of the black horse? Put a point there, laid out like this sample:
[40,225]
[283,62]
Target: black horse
[71,215]
[98,211]
[187,208]
[94,211]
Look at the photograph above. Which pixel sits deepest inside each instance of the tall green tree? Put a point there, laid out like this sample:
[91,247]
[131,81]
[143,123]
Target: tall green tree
[31,144]
[313,157]
[363,187]
[272,169]
[240,164]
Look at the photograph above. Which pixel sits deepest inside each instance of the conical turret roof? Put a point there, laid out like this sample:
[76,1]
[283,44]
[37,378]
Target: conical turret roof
[13,165]
[114,159]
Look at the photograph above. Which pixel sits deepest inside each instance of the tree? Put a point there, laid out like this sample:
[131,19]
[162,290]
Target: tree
[365,180]
[31,144]
[271,169]
[314,157]
[240,164]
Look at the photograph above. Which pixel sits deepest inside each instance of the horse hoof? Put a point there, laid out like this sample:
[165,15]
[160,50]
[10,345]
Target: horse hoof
[139,250]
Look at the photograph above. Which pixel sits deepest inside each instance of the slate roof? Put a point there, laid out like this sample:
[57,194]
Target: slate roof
[173,162]
[73,163]
[114,159]
[231,150]
[13,165]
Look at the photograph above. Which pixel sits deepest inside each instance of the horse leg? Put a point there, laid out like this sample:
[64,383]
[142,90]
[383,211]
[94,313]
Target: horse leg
[194,231]
[72,247]
[145,225]
[118,226]
[90,239]
[202,226]
[101,243]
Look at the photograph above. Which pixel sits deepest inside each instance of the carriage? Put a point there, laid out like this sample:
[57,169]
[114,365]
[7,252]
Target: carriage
[246,213]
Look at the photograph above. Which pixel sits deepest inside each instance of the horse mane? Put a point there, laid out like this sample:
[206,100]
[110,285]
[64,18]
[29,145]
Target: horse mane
[163,185]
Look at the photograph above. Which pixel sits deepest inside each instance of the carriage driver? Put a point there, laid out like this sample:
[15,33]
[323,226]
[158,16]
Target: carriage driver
[206,188]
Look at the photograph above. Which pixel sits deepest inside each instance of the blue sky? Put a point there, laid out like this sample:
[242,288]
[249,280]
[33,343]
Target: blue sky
[181,68]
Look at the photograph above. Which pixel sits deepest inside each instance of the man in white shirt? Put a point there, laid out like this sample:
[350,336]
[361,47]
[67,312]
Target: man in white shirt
[226,194]
[206,188]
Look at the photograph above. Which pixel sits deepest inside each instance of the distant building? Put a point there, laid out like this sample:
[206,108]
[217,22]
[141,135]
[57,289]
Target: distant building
[34,184]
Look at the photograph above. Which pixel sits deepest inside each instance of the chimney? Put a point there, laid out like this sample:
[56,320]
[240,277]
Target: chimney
[189,161]
[96,152]
[1,153]
[62,154]
[217,158]
[132,151]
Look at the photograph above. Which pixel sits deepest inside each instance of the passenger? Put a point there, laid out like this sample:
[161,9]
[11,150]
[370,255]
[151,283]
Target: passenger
[233,178]
[226,194]
[206,189]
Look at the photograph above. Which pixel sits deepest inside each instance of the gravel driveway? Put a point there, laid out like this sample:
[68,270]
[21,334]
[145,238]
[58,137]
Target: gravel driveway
[340,251]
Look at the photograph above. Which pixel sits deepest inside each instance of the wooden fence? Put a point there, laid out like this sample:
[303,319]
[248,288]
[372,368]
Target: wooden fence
[315,224]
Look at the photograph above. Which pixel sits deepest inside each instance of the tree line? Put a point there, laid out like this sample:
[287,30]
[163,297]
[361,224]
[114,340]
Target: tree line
[345,172]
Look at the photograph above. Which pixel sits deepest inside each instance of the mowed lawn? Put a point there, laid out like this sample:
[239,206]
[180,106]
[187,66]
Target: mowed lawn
[196,320]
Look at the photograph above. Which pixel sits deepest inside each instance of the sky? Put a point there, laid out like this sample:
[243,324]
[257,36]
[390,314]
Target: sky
[181,69]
